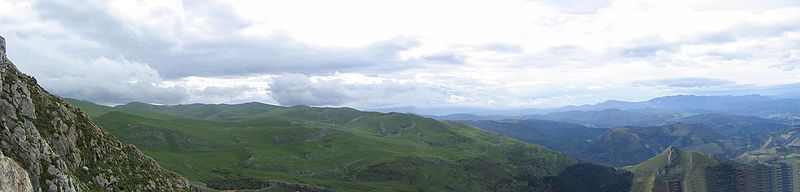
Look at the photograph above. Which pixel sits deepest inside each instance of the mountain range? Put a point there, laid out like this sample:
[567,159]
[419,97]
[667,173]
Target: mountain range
[674,143]
[661,109]
[724,135]
[252,145]
[54,144]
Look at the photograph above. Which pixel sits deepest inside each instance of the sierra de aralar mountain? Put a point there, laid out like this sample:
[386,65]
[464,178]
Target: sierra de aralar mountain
[59,144]
[399,96]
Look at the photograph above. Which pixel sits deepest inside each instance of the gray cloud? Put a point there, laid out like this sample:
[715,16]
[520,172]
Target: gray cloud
[299,89]
[296,89]
[220,17]
[72,43]
[692,82]
[501,47]
[446,58]
[113,81]
[224,54]
[652,46]
[229,92]
[789,61]
[61,40]
[788,65]
[279,55]
[748,31]
[646,50]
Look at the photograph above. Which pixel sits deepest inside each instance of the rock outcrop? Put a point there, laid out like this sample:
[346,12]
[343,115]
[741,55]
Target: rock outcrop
[12,176]
[58,148]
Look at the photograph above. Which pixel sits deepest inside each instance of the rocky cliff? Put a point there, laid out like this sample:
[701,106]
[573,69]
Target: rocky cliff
[48,145]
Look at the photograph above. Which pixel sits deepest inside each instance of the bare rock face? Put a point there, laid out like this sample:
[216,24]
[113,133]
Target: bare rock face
[60,148]
[3,46]
[13,177]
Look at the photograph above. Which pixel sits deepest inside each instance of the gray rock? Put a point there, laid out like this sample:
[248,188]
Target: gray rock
[60,149]
[3,46]
[13,177]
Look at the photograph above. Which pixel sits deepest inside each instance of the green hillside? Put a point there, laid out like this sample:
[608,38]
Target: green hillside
[253,145]
[689,169]
[89,108]
[564,137]
[676,170]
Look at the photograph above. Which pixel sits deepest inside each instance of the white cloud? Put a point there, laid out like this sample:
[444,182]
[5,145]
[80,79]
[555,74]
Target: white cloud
[505,53]
[112,81]
[230,89]
[354,90]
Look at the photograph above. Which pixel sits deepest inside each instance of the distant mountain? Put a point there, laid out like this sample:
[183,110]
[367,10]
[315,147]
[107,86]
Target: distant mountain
[608,118]
[662,111]
[736,126]
[722,135]
[47,144]
[471,117]
[637,113]
[678,103]
[428,110]
[748,105]
[253,146]
[565,137]
[200,110]
[631,145]
[444,111]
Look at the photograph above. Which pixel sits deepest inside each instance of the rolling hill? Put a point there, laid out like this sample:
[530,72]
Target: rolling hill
[609,118]
[688,171]
[565,137]
[722,135]
[675,170]
[253,145]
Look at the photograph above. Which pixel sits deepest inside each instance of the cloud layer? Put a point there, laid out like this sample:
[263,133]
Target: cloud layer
[515,53]
[351,90]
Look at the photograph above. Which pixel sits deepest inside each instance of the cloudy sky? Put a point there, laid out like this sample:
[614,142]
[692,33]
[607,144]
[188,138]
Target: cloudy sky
[391,53]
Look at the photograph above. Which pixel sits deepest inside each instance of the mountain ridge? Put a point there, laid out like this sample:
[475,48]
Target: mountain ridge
[346,149]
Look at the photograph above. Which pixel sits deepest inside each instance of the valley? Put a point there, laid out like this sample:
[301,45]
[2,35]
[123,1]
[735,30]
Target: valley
[258,146]
[670,151]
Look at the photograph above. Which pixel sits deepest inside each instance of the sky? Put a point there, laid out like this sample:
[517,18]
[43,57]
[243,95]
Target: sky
[372,54]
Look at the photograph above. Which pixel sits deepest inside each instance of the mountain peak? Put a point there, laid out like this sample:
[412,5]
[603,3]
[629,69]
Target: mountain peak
[672,154]
[707,97]
[613,101]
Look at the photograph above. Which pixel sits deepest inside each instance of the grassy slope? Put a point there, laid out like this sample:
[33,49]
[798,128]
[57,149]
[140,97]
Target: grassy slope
[565,137]
[690,166]
[91,109]
[235,146]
